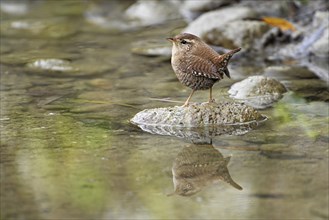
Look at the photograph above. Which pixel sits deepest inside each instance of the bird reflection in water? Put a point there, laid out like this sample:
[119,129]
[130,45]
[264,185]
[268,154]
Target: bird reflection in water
[198,166]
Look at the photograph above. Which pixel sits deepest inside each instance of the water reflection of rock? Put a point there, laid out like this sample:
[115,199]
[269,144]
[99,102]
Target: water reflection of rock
[199,135]
[198,166]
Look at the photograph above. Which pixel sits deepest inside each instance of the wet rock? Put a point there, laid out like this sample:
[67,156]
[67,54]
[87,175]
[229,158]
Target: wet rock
[82,67]
[192,9]
[29,56]
[145,12]
[319,66]
[120,16]
[245,34]
[14,7]
[52,64]
[312,50]
[46,28]
[199,123]
[198,115]
[107,14]
[320,47]
[258,91]
[218,18]
[268,8]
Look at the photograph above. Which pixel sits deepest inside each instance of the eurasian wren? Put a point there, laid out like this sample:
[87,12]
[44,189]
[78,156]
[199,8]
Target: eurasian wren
[196,64]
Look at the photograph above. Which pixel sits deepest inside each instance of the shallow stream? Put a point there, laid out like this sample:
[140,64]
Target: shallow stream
[69,151]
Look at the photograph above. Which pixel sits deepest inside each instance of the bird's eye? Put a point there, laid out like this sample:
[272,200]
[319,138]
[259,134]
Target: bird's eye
[183,42]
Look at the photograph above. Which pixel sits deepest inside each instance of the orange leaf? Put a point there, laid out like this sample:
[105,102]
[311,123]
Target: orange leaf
[279,22]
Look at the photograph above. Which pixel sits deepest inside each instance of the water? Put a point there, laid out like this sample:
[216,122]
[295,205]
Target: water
[68,149]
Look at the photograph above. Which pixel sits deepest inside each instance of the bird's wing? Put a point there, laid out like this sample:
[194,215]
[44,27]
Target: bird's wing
[203,67]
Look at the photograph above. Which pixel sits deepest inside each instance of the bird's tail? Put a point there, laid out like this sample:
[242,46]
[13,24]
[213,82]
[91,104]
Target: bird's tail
[224,58]
[234,51]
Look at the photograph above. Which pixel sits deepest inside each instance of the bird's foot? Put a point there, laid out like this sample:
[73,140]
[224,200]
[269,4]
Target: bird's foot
[186,104]
[211,101]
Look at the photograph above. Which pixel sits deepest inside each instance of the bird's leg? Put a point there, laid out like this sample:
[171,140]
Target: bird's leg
[211,100]
[188,99]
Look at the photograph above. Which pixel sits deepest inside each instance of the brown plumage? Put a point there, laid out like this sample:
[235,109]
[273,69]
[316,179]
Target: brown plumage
[196,64]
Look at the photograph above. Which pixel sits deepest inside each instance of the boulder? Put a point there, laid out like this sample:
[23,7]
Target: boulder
[238,33]
[192,9]
[218,18]
[199,122]
[198,115]
[145,12]
[320,47]
[258,91]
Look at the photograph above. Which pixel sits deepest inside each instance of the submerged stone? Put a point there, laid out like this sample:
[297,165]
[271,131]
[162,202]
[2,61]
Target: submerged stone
[258,91]
[52,64]
[46,28]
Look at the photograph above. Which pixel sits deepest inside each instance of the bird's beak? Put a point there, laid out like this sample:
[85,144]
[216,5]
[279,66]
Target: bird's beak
[170,39]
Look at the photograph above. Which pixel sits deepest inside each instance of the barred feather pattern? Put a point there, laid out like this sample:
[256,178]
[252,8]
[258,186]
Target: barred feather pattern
[198,73]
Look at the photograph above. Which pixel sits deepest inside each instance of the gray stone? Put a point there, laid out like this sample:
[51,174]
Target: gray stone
[199,123]
[238,33]
[198,115]
[145,12]
[118,16]
[321,46]
[192,9]
[218,18]
[52,64]
[14,8]
[45,28]
[258,91]
[61,67]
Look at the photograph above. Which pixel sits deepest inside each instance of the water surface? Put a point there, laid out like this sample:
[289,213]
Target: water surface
[69,151]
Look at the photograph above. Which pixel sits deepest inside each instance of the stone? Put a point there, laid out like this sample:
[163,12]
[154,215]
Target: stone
[218,18]
[198,115]
[52,64]
[14,8]
[46,28]
[199,122]
[145,12]
[320,47]
[258,91]
[192,9]
[245,34]
[61,67]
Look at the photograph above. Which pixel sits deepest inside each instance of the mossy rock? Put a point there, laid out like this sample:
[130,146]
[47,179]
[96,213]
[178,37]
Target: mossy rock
[199,115]
[199,122]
